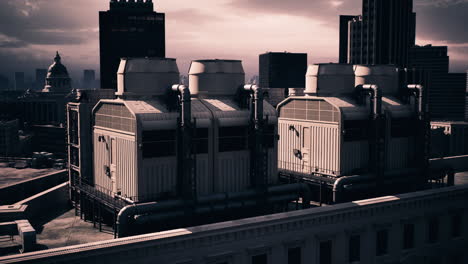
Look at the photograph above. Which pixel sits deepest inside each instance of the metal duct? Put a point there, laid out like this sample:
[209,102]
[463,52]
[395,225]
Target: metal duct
[377,146]
[258,153]
[186,180]
[164,210]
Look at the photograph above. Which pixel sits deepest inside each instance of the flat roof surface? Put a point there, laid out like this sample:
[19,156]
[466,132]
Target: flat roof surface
[68,229]
[10,176]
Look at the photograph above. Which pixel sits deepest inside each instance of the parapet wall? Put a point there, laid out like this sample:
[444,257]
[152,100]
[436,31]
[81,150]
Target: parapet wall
[272,236]
[19,191]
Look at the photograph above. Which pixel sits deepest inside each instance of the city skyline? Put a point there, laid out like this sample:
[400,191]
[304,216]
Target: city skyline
[72,29]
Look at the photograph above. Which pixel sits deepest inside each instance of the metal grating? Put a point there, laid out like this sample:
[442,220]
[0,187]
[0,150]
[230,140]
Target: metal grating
[313,110]
[115,116]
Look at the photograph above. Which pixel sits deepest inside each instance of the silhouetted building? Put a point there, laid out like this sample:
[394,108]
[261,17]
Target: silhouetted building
[9,138]
[128,29]
[466,104]
[382,35]
[57,79]
[20,83]
[430,58]
[4,83]
[447,96]
[280,71]
[39,82]
[446,91]
[89,79]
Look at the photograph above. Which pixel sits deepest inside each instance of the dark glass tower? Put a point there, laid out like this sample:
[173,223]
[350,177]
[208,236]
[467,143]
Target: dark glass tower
[383,35]
[129,29]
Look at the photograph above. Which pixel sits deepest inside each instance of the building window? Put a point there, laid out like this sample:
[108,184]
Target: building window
[433,230]
[232,139]
[325,254]
[200,141]
[159,143]
[294,255]
[260,259]
[456,225]
[381,242]
[408,236]
[354,248]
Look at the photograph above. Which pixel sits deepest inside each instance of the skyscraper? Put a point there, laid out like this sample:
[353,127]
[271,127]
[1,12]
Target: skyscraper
[20,83]
[383,35]
[40,79]
[446,91]
[280,71]
[128,29]
[89,79]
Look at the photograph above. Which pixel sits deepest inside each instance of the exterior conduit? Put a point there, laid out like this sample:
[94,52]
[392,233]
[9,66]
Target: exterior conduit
[258,174]
[164,210]
[185,176]
[391,177]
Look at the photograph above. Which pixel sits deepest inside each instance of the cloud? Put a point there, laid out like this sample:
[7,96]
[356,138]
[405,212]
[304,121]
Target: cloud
[324,10]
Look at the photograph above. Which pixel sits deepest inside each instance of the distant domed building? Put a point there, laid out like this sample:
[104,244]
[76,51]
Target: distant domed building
[57,80]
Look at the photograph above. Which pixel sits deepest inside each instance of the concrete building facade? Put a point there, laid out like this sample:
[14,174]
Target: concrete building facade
[415,228]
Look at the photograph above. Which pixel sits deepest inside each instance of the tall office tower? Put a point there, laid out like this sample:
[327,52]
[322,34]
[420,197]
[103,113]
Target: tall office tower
[344,37]
[446,91]
[429,58]
[383,35]
[129,29]
[20,83]
[466,98]
[39,82]
[4,83]
[89,79]
[280,71]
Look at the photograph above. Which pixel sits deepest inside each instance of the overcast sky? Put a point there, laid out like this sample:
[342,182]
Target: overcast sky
[32,30]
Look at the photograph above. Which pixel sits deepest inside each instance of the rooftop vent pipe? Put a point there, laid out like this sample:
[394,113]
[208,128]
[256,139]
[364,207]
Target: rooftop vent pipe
[258,153]
[377,146]
[185,170]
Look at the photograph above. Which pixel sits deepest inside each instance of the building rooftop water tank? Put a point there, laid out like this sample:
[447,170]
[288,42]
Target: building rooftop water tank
[385,76]
[216,77]
[146,76]
[329,79]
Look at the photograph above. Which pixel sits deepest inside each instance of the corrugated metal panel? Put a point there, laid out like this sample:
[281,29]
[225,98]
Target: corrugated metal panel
[354,155]
[399,153]
[289,140]
[324,148]
[319,153]
[233,170]
[204,175]
[158,176]
[126,173]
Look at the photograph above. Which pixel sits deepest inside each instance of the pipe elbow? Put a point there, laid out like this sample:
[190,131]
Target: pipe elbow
[125,212]
[251,87]
[182,90]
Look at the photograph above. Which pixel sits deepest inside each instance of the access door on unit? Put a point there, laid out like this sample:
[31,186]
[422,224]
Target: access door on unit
[113,164]
[306,150]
